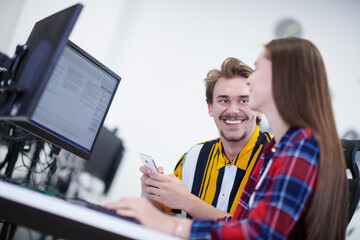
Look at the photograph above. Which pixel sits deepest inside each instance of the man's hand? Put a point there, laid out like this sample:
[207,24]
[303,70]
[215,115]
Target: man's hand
[168,190]
[146,173]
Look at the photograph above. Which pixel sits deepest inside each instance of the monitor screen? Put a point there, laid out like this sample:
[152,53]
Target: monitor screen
[76,99]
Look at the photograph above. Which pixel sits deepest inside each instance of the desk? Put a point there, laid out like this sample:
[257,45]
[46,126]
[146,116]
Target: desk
[59,218]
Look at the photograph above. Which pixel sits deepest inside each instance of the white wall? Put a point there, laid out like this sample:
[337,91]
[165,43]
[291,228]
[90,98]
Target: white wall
[9,19]
[163,49]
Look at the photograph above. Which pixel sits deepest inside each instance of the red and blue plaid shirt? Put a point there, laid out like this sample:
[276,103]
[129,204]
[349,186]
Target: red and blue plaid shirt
[280,201]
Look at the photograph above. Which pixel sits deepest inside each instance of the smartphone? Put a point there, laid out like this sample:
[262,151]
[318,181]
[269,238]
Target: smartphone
[149,162]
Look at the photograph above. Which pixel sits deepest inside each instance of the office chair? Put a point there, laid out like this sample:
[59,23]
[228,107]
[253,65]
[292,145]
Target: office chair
[350,148]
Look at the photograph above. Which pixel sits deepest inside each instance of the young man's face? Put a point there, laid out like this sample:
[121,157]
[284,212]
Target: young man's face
[230,110]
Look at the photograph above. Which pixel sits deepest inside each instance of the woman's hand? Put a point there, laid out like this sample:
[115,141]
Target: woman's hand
[143,211]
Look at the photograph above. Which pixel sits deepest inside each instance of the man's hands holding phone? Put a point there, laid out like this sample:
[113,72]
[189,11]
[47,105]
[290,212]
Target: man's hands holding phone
[162,188]
[168,190]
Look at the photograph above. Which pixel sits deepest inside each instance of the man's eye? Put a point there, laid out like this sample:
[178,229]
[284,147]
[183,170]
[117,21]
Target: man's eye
[244,101]
[223,101]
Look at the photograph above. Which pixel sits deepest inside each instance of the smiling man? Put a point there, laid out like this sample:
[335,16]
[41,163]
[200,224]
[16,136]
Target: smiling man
[214,172]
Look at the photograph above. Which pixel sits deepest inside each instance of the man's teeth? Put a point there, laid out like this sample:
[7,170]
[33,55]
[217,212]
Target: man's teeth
[233,122]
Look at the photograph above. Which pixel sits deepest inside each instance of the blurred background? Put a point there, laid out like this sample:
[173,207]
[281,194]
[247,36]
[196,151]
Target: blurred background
[163,50]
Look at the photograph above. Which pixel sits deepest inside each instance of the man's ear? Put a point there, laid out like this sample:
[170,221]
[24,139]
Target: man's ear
[210,110]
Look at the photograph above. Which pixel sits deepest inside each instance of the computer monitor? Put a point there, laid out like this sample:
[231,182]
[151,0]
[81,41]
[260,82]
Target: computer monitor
[106,157]
[63,93]
[44,47]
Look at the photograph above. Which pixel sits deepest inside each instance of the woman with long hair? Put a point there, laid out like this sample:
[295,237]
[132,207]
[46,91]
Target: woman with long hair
[298,189]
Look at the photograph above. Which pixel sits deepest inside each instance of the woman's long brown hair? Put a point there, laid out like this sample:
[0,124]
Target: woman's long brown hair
[302,96]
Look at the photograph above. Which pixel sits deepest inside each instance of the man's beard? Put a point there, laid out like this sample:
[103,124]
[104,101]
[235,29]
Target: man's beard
[234,139]
[240,115]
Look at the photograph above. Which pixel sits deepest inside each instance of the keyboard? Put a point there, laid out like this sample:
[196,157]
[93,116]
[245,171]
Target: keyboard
[77,201]
[99,208]
[66,218]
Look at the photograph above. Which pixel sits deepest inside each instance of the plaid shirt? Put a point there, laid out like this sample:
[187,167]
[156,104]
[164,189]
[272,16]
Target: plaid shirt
[280,201]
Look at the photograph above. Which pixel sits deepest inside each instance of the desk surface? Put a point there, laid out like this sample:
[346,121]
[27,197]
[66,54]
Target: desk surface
[59,218]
